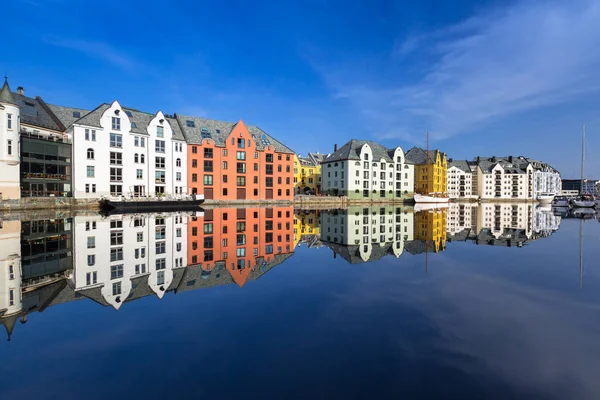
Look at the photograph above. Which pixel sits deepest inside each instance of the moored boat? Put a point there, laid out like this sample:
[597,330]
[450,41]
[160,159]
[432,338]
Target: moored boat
[560,201]
[421,198]
[430,206]
[143,204]
[545,198]
[584,201]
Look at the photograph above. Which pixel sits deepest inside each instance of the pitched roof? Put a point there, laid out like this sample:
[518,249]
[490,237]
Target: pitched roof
[35,112]
[317,157]
[307,161]
[92,118]
[177,133]
[463,165]
[351,151]
[419,156]
[5,93]
[219,131]
[67,115]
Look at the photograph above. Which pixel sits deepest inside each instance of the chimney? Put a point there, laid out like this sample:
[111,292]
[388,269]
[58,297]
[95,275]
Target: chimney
[20,90]
[510,159]
[335,147]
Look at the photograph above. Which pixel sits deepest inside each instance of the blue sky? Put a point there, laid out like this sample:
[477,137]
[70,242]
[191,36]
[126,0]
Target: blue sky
[483,77]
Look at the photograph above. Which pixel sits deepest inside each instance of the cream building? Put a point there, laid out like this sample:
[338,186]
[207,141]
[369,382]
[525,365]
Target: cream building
[364,234]
[11,298]
[460,180]
[10,121]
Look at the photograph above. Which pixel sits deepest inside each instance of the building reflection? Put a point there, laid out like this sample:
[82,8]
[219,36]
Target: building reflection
[307,228]
[500,224]
[117,259]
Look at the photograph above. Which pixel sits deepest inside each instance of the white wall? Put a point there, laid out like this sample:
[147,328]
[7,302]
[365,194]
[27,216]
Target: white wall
[454,178]
[9,163]
[10,256]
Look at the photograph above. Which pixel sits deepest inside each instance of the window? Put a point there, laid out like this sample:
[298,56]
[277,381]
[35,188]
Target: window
[269,182]
[9,121]
[116,238]
[142,158]
[256,166]
[269,157]
[116,190]
[208,153]
[116,158]
[136,158]
[159,146]
[139,174]
[94,191]
[159,162]
[159,177]
[178,162]
[87,134]
[116,174]
[178,176]
[160,131]
[140,269]
[161,247]
[178,232]
[208,179]
[240,155]
[116,254]
[136,141]
[9,149]
[116,288]
[190,124]
[240,226]
[241,181]
[240,240]
[224,178]
[116,271]
[91,242]
[90,171]
[241,143]
[194,177]
[116,123]
[91,259]
[241,168]
[208,228]
[269,169]
[116,140]
[161,264]
[143,142]
[208,166]
[91,278]
[140,237]
[225,152]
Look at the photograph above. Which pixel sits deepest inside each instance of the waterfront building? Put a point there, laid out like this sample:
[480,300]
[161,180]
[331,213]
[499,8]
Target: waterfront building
[240,240]
[229,161]
[115,255]
[365,234]
[363,169]
[573,186]
[9,144]
[430,170]
[307,175]
[306,224]
[11,302]
[460,180]
[430,229]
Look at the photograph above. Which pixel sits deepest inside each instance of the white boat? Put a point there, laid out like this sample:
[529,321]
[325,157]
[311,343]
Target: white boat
[584,201]
[560,201]
[545,198]
[421,198]
[430,206]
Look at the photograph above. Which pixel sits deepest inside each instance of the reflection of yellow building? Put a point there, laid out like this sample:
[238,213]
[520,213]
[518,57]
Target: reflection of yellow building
[307,175]
[431,173]
[431,227]
[306,223]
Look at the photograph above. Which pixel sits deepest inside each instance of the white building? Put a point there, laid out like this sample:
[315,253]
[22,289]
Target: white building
[124,152]
[112,255]
[363,234]
[460,180]
[366,170]
[9,145]
[10,268]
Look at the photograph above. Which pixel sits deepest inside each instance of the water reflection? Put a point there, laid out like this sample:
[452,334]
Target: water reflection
[117,259]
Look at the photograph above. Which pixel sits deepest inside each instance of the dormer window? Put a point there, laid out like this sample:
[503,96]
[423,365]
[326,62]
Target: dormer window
[160,131]
[190,124]
[76,114]
[117,112]
[133,125]
[205,133]
[129,114]
[116,123]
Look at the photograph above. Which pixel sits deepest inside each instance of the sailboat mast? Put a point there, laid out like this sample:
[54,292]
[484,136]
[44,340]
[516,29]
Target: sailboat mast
[580,253]
[582,158]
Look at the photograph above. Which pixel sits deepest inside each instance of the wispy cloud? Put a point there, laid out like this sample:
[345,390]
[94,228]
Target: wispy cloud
[488,67]
[96,49]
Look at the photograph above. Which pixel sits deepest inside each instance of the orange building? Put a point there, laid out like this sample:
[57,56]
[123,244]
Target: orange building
[240,238]
[236,162]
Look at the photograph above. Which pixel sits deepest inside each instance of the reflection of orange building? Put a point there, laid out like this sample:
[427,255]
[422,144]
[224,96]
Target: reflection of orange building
[234,161]
[238,237]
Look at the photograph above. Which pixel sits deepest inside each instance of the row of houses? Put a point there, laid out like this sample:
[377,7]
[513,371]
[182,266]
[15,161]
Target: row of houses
[113,150]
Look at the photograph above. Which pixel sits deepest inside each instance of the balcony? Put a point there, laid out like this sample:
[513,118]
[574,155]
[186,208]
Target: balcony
[41,175]
[58,138]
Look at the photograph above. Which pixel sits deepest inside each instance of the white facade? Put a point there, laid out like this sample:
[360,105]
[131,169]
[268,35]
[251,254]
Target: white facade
[109,253]
[505,183]
[9,151]
[546,180]
[11,301]
[369,177]
[111,160]
[367,227]
[461,216]
[460,183]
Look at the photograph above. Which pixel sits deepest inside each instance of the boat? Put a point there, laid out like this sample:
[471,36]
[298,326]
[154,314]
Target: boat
[123,205]
[430,206]
[583,213]
[584,201]
[560,201]
[545,198]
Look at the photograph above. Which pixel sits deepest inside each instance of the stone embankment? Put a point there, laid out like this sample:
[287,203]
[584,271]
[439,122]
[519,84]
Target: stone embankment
[48,203]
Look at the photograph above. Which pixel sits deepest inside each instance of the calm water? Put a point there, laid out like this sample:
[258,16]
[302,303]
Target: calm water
[470,303]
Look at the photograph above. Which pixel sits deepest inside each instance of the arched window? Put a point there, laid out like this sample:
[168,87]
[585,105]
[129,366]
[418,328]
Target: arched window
[178,162]
[136,158]
[142,159]
[90,154]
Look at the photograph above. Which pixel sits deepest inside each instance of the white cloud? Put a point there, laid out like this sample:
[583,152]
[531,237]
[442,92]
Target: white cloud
[491,66]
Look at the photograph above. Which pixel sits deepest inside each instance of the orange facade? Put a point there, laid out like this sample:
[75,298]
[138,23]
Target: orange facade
[238,170]
[240,238]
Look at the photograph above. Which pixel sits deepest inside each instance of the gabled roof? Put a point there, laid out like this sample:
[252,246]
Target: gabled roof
[140,120]
[67,115]
[351,151]
[177,133]
[35,112]
[463,165]
[317,157]
[307,161]
[92,119]
[419,156]
[5,93]
[219,132]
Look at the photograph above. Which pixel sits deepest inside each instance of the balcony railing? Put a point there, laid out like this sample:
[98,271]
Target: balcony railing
[51,137]
[41,175]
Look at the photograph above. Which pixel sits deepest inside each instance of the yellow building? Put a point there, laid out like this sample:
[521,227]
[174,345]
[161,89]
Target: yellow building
[430,226]
[431,173]
[307,175]
[306,223]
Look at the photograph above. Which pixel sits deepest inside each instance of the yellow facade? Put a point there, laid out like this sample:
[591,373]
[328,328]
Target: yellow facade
[432,177]
[306,223]
[307,176]
[431,227]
